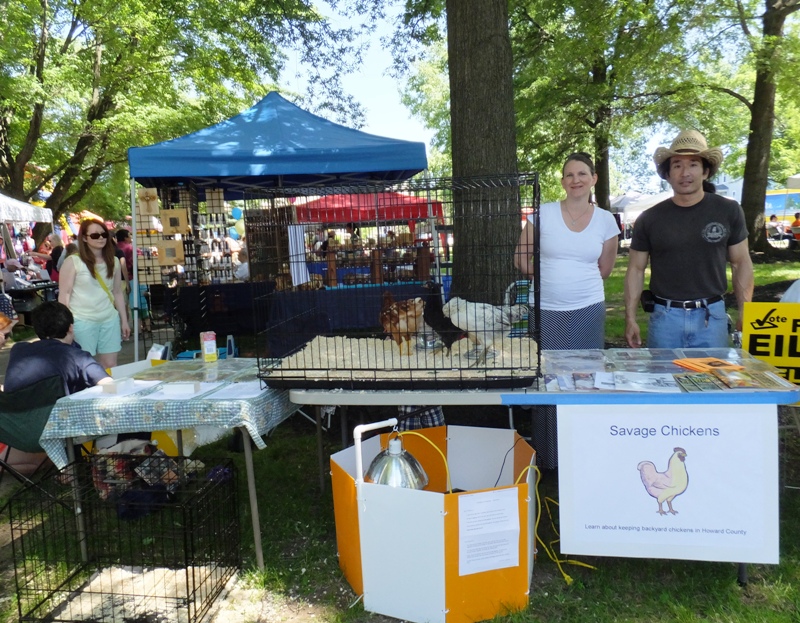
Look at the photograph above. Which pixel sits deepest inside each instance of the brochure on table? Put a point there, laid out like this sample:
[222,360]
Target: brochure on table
[684,482]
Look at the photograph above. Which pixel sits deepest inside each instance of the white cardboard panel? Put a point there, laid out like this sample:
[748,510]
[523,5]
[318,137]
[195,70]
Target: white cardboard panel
[402,552]
[727,512]
[531,520]
[475,455]
[346,459]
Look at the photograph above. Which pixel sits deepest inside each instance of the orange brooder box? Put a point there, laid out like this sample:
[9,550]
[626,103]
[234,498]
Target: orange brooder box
[431,556]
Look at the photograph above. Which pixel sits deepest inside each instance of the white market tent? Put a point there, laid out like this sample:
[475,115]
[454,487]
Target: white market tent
[16,211]
[632,211]
[13,210]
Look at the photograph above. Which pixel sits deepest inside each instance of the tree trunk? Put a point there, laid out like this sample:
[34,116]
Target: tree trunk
[602,189]
[762,122]
[486,228]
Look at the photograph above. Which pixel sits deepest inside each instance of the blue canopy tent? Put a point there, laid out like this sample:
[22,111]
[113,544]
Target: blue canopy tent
[275,144]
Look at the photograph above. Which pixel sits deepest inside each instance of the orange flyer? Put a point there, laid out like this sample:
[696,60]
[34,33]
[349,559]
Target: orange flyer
[706,364]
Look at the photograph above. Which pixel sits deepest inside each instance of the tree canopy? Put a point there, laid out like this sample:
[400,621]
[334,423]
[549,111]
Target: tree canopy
[82,80]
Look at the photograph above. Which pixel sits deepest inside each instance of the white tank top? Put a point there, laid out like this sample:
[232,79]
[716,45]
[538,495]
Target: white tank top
[89,301]
[570,274]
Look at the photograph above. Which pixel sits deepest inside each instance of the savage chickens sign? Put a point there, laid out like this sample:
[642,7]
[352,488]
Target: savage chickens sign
[690,482]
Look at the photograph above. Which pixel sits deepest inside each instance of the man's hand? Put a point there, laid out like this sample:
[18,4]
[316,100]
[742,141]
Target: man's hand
[634,284]
[632,334]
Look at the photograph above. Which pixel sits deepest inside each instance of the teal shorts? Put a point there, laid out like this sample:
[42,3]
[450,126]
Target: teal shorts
[99,337]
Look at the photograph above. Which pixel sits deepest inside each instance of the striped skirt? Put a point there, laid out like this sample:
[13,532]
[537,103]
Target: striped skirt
[563,330]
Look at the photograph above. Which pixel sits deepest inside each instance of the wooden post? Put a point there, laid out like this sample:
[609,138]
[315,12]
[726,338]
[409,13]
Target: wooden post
[376,268]
[330,274]
[423,263]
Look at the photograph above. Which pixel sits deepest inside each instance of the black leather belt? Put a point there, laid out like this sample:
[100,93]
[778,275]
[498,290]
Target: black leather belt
[695,304]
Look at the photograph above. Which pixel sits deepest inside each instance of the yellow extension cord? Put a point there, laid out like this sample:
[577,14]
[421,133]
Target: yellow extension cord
[549,549]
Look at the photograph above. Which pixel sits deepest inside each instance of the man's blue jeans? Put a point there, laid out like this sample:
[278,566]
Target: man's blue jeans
[673,327]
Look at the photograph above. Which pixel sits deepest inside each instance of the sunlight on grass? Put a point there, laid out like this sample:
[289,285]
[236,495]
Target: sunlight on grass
[764,274]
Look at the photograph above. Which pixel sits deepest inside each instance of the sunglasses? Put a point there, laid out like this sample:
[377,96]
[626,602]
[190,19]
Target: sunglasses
[96,236]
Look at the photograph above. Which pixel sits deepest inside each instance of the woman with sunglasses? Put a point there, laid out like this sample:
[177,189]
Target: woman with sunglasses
[90,284]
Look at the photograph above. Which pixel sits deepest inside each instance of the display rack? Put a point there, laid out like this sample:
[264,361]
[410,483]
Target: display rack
[183,240]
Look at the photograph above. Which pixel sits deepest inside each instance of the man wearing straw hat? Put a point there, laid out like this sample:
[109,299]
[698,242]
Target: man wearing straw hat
[688,241]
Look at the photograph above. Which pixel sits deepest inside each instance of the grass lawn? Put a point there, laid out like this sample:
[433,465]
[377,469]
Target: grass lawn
[765,274]
[298,534]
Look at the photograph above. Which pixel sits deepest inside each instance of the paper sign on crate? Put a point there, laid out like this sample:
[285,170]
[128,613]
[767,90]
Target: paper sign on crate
[435,557]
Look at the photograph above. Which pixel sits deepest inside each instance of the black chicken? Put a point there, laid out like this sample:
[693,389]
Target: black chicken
[434,317]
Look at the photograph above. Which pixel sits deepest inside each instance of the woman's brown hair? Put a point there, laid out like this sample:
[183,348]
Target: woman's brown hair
[86,253]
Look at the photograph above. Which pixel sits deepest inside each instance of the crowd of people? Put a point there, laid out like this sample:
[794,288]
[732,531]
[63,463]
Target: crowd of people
[93,282]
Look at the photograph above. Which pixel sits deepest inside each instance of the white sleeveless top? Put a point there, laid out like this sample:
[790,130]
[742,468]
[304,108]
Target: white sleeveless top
[88,301]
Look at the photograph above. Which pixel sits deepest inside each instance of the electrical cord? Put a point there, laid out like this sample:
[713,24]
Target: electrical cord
[444,458]
[503,464]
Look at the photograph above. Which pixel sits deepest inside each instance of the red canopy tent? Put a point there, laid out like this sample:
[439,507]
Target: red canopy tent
[380,208]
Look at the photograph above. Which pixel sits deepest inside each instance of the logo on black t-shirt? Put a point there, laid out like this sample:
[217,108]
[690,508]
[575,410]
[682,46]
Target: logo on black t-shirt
[715,232]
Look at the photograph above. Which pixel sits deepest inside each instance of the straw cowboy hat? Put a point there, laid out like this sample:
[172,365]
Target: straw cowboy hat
[689,143]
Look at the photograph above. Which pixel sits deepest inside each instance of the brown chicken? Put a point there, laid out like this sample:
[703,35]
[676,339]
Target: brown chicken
[401,319]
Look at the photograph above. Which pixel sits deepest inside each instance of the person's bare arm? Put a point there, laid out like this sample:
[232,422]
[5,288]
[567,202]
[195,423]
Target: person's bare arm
[742,276]
[634,284]
[608,257]
[119,303]
[66,281]
[524,251]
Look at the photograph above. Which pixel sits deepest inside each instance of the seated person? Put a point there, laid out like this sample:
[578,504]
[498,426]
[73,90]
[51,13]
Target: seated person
[775,229]
[242,272]
[795,223]
[56,353]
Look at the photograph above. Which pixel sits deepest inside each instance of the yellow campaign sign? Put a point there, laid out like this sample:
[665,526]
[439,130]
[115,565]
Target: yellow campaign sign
[771,332]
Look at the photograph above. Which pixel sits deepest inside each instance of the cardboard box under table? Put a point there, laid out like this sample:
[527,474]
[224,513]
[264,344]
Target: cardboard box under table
[433,556]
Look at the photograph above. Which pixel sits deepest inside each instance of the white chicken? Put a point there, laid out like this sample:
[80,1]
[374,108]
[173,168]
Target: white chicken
[483,323]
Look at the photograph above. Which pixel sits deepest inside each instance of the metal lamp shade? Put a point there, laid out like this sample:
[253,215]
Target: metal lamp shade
[397,468]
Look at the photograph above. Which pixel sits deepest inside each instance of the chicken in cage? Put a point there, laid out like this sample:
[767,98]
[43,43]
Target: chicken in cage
[425,295]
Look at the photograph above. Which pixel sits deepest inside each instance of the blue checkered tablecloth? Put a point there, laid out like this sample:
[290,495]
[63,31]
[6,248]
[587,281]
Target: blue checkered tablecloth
[108,413]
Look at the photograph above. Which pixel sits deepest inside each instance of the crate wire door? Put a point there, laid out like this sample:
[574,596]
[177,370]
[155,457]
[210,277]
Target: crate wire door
[328,332]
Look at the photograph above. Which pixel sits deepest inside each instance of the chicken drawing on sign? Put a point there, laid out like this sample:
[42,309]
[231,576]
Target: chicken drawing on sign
[666,486]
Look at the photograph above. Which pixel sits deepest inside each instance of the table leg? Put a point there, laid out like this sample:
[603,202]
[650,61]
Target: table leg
[251,490]
[345,432]
[73,477]
[320,453]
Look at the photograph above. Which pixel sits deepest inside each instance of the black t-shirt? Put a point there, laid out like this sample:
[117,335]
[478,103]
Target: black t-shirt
[688,246]
[120,255]
[29,362]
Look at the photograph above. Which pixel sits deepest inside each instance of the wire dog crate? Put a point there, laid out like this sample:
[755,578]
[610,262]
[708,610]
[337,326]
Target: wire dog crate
[407,286]
[97,543]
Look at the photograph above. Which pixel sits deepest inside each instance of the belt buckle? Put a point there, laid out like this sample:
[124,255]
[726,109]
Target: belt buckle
[692,304]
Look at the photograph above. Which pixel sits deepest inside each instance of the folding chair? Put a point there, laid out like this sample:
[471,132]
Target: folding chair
[23,416]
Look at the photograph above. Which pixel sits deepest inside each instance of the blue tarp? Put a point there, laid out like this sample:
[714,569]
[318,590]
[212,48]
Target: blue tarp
[275,143]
